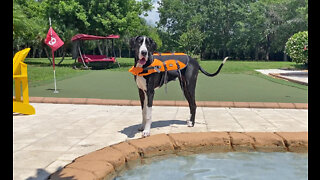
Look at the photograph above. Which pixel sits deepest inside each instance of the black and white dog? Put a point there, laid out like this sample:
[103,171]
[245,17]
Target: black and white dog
[144,47]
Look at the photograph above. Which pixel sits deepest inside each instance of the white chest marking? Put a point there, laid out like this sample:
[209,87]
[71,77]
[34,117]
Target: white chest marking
[141,82]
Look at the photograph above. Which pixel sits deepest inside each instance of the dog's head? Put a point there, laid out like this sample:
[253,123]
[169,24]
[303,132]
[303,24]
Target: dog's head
[143,47]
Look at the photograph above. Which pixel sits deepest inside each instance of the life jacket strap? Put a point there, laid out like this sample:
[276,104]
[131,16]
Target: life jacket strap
[165,76]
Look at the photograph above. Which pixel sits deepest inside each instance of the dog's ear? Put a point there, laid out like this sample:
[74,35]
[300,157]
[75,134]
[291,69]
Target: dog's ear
[153,45]
[132,42]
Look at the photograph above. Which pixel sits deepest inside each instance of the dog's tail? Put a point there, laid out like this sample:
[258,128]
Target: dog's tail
[217,72]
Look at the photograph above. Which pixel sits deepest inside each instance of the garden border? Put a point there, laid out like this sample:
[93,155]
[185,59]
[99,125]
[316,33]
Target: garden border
[121,102]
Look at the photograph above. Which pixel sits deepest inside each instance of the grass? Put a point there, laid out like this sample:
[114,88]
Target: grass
[224,87]
[41,72]
[238,81]
[247,67]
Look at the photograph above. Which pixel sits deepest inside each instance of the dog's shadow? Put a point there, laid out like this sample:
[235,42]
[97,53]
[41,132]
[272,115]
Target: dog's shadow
[131,131]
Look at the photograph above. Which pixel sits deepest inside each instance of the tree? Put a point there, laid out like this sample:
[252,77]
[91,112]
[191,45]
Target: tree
[245,29]
[28,25]
[297,47]
[191,41]
[70,17]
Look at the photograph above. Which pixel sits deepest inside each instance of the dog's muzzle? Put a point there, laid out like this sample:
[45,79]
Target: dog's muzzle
[144,52]
[143,57]
[142,61]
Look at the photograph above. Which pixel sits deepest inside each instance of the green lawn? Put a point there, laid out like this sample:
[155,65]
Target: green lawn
[247,67]
[224,87]
[40,71]
[237,81]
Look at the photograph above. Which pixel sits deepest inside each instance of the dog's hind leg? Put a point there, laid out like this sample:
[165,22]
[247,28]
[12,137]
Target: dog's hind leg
[188,80]
[189,92]
[192,106]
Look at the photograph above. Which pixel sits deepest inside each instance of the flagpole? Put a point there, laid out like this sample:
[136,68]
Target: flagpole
[54,74]
[53,63]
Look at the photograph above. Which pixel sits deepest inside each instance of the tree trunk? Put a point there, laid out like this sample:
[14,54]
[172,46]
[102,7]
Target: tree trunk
[64,53]
[58,53]
[48,55]
[218,53]
[34,52]
[256,54]
[103,46]
[61,52]
[285,57]
[119,52]
[40,52]
[267,54]
[224,52]
[268,47]
[107,51]
[99,47]
[106,47]
[129,52]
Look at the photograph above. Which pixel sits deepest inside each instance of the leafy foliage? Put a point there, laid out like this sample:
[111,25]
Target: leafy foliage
[210,29]
[297,47]
[244,29]
[69,17]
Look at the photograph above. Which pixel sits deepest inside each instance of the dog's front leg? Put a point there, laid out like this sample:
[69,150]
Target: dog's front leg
[143,108]
[147,112]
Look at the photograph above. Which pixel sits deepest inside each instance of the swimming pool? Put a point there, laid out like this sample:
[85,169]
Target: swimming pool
[231,165]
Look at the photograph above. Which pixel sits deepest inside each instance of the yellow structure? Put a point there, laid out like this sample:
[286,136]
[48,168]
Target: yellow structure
[20,76]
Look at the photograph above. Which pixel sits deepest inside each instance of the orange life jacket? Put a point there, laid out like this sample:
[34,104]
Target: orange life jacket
[162,62]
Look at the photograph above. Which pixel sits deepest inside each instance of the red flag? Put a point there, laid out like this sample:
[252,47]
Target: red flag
[53,40]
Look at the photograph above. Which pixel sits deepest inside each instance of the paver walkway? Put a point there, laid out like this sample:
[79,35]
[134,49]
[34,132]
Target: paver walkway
[59,133]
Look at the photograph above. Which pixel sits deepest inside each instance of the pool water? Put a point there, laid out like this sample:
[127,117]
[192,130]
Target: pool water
[231,165]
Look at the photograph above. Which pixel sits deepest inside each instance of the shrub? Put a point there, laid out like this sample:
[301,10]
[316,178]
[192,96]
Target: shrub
[297,47]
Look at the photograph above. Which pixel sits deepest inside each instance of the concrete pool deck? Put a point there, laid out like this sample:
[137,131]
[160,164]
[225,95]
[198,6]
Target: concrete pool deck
[297,76]
[60,133]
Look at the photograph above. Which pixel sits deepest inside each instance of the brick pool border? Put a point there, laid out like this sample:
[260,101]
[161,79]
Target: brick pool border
[121,102]
[108,162]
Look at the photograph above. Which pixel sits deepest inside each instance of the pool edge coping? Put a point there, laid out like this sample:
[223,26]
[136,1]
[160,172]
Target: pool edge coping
[122,102]
[108,162]
[278,75]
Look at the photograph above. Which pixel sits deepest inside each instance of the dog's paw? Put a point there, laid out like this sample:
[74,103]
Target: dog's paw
[189,123]
[141,128]
[145,133]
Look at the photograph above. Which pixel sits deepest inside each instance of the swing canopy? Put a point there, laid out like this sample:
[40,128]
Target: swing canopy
[93,37]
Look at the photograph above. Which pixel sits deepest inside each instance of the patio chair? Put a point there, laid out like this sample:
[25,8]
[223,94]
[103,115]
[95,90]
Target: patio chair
[20,76]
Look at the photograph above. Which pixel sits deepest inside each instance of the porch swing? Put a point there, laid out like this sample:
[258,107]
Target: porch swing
[88,60]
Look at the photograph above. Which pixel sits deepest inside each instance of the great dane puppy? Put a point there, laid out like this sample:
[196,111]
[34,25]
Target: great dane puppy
[143,48]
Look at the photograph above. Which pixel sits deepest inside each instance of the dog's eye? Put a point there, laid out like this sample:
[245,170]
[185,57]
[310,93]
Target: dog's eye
[140,40]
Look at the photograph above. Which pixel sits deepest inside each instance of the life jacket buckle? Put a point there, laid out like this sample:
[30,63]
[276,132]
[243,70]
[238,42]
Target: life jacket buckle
[157,69]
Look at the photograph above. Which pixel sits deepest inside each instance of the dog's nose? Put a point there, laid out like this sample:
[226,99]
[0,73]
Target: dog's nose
[144,52]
